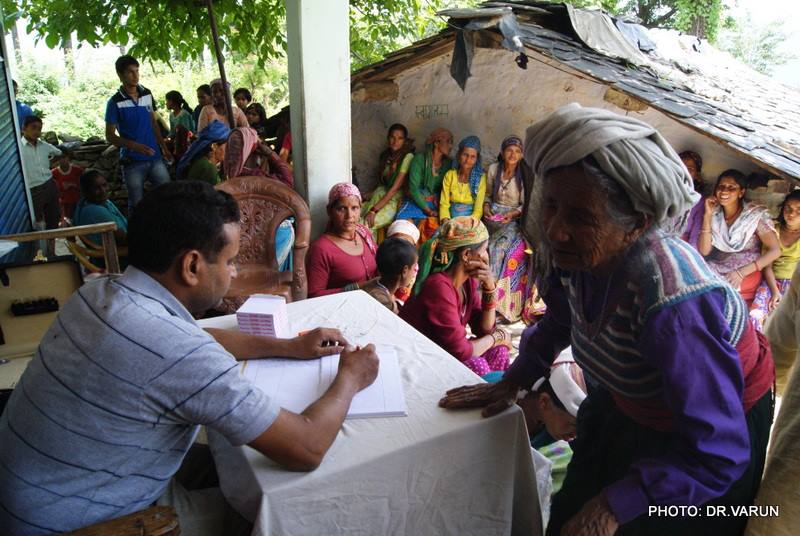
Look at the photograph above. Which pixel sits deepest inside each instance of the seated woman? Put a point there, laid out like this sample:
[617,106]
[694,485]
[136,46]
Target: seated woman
[246,155]
[425,176]
[680,403]
[778,275]
[694,222]
[397,268]
[257,119]
[381,208]
[217,111]
[734,233]
[201,161]
[464,186]
[95,207]
[502,210]
[343,258]
[454,288]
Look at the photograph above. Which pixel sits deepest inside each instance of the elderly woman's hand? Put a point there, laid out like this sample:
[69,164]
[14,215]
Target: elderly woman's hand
[493,397]
[594,519]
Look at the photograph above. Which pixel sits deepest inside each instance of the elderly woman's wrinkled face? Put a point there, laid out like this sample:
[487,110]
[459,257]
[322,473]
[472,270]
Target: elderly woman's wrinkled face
[578,228]
[344,214]
[396,140]
[467,158]
[728,191]
[444,146]
[218,94]
[512,155]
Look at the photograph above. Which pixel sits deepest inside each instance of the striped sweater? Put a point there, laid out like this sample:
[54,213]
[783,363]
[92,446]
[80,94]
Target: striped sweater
[607,347]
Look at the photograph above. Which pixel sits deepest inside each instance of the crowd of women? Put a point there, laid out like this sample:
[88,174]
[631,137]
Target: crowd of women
[661,293]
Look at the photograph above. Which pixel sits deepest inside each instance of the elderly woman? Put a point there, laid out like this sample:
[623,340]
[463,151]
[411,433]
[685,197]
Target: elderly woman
[201,161]
[454,288]
[464,186]
[217,111]
[381,208]
[680,401]
[343,258]
[425,176]
[733,234]
[505,197]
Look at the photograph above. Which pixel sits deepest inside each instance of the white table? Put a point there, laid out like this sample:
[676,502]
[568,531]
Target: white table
[432,472]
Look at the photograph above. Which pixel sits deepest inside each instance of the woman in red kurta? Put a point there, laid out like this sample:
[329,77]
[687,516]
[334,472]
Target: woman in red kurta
[453,265]
[343,258]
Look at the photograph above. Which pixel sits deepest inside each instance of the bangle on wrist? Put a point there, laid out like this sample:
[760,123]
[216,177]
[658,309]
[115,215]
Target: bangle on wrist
[739,273]
[755,263]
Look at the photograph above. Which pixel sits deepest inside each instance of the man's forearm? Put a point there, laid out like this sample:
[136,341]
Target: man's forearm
[245,346]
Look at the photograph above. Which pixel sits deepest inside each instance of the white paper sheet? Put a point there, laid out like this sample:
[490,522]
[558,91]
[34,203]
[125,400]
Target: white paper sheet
[296,384]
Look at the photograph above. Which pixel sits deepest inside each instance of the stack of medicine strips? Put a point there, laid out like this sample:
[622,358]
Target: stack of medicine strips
[264,315]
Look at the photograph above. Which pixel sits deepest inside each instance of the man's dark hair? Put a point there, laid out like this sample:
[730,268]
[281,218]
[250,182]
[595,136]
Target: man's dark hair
[175,218]
[205,88]
[244,92]
[393,254]
[87,179]
[31,119]
[123,62]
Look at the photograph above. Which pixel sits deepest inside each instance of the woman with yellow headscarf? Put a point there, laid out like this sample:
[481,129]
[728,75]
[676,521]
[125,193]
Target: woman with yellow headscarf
[454,288]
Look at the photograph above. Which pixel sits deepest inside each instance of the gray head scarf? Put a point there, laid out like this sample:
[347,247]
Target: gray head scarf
[629,150]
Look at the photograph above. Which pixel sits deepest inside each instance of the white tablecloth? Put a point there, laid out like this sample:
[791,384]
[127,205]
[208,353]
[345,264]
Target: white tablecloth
[432,472]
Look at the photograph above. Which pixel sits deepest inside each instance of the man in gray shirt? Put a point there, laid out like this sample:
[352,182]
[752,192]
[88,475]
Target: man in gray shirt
[105,413]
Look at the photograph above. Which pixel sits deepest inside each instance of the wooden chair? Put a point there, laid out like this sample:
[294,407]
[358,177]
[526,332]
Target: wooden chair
[153,521]
[264,204]
[106,230]
[87,251]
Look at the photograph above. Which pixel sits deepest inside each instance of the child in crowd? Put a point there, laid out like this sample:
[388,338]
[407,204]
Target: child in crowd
[257,119]
[778,275]
[409,232]
[551,411]
[464,186]
[67,176]
[36,154]
[242,97]
[397,266]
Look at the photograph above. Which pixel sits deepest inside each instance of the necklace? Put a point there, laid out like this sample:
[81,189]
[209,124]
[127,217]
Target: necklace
[735,215]
[354,239]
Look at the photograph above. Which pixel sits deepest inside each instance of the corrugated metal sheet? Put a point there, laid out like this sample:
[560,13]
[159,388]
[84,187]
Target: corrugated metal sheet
[14,212]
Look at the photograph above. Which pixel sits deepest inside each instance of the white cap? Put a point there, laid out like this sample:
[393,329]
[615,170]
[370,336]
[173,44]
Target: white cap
[405,227]
[566,379]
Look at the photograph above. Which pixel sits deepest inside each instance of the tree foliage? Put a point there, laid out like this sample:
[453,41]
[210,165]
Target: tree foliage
[166,30]
[761,47]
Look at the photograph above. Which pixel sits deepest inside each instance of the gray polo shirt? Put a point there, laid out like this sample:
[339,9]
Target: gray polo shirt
[111,402]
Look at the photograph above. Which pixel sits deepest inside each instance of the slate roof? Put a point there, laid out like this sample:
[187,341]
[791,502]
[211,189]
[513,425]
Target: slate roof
[688,80]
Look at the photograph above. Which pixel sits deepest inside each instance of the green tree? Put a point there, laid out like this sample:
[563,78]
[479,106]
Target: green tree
[761,47]
[166,30]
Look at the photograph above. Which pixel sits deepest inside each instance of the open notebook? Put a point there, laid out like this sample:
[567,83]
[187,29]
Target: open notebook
[296,384]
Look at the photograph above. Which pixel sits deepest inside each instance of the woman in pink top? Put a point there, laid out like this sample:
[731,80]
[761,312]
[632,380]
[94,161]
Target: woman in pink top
[343,258]
[218,111]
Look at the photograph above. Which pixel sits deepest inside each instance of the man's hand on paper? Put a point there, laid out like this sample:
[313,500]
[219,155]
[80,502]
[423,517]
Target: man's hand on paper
[317,343]
[361,364]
